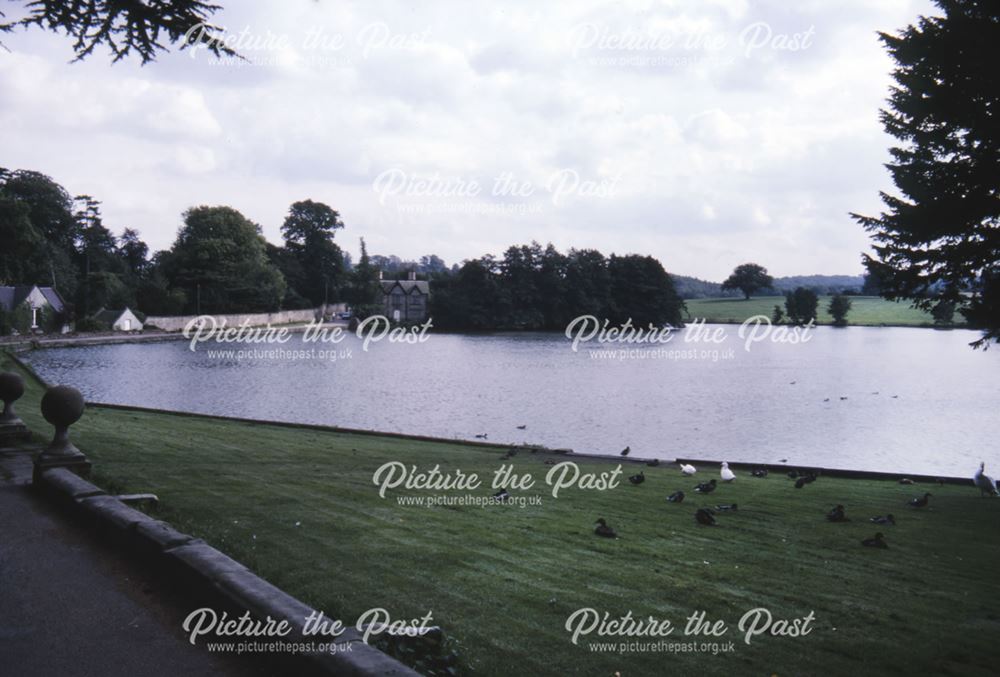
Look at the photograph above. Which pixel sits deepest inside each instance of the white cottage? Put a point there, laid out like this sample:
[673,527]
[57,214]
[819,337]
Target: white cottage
[36,300]
[119,320]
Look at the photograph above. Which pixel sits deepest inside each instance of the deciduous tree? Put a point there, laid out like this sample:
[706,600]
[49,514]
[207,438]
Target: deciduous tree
[748,278]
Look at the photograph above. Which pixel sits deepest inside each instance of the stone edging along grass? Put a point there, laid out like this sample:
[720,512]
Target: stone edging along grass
[208,572]
[323,428]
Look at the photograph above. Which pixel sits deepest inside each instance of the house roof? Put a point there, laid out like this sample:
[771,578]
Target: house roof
[7,298]
[422,286]
[54,298]
[108,316]
[112,316]
[11,297]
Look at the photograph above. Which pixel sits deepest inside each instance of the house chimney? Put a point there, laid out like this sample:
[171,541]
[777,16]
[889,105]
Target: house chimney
[412,275]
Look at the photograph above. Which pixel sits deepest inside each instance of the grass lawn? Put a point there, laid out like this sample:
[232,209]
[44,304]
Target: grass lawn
[503,580]
[865,310]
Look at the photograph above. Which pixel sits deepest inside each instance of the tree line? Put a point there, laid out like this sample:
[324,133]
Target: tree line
[218,263]
[221,263]
[532,287]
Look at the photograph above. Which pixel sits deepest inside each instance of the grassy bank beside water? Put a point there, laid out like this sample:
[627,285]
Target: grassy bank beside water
[298,505]
[865,311]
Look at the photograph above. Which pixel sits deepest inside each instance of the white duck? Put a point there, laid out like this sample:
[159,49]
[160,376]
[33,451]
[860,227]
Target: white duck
[687,468]
[986,484]
[726,474]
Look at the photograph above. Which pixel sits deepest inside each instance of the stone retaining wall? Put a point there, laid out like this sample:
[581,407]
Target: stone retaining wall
[178,322]
[201,567]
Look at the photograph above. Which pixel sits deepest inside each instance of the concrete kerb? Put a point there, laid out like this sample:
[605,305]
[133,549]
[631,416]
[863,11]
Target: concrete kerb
[207,570]
[200,568]
[62,483]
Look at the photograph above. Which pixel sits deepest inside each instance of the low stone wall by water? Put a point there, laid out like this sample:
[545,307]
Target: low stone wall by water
[178,322]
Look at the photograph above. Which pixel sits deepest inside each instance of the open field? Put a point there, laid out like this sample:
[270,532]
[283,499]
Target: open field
[298,506]
[865,310]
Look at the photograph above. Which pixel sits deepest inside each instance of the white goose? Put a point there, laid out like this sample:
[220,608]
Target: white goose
[987,485]
[687,468]
[726,474]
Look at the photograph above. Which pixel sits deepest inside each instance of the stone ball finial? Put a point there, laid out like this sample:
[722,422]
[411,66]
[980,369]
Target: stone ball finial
[62,406]
[11,390]
[11,386]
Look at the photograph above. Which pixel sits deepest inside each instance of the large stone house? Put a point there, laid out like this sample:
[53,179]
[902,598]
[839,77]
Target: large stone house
[34,308]
[405,300]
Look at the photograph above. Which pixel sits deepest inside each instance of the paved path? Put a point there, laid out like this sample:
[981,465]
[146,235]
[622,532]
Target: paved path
[72,607]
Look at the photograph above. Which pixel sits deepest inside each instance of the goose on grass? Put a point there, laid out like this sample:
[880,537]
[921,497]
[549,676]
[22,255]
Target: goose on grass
[601,528]
[875,541]
[726,474]
[706,487]
[987,485]
[837,514]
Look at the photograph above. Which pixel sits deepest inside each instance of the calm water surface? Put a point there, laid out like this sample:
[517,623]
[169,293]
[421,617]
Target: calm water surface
[912,400]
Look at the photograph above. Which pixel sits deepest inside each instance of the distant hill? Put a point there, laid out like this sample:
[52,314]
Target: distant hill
[822,284]
[695,288]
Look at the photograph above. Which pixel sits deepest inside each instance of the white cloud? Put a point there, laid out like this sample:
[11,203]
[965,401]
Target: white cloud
[721,157]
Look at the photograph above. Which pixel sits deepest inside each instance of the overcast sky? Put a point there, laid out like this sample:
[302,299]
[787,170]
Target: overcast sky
[704,133]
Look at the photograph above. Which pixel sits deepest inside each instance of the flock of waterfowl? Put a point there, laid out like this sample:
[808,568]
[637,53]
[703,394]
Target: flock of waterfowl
[706,516]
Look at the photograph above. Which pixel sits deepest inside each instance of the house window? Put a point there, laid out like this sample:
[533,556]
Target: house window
[34,318]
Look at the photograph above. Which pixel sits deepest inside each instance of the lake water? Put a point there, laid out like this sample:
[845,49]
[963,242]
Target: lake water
[917,400]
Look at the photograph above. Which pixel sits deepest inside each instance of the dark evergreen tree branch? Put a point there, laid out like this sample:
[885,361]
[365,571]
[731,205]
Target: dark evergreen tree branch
[938,244]
[144,27]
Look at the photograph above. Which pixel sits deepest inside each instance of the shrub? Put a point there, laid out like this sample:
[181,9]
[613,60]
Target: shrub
[801,305]
[839,305]
[91,324]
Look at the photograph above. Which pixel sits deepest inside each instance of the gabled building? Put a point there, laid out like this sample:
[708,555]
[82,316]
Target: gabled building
[119,320]
[42,307]
[405,300]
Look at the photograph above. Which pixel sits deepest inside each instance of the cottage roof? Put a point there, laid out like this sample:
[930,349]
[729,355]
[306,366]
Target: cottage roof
[110,316]
[12,297]
[7,298]
[54,298]
[422,286]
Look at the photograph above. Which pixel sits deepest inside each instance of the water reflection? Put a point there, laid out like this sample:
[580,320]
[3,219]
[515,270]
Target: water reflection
[913,400]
